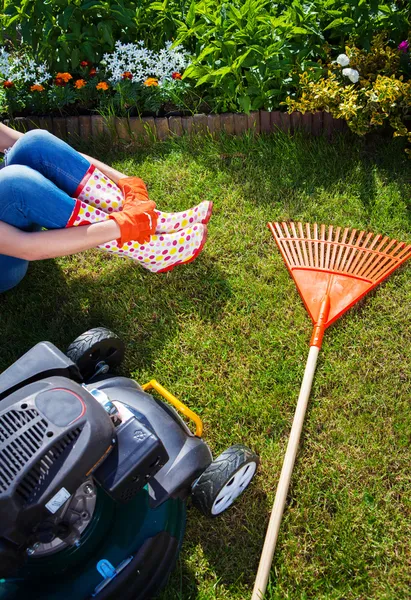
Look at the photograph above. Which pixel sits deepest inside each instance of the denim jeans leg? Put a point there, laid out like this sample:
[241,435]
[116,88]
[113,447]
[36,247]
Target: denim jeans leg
[28,201]
[27,198]
[51,157]
[12,271]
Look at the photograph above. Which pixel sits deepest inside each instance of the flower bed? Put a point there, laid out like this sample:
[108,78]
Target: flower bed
[210,58]
[131,80]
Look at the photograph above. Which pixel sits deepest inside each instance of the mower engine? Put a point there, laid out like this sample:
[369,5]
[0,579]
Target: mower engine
[58,441]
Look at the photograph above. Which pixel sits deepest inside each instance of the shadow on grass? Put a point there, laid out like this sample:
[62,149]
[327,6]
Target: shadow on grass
[143,308]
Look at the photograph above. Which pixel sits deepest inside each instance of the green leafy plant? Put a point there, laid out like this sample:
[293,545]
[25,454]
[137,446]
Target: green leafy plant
[367,89]
[247,54]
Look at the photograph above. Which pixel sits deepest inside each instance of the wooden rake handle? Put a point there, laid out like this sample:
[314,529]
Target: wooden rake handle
[264,568]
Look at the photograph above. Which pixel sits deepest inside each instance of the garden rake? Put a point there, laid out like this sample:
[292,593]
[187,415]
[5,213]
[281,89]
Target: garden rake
[333,269]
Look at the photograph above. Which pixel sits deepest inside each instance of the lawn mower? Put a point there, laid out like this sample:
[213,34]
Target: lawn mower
[95,475]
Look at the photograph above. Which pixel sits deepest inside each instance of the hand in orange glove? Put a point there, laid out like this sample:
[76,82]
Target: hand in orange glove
[135,224]
[137,220]
[133,188]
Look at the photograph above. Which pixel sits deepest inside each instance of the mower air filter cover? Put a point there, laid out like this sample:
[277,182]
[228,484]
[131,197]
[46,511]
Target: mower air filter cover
[138,455]
[53,434]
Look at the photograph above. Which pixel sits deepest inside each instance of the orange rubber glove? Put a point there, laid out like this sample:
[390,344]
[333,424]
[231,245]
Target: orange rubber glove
[133,188]
[135,225]
[137,220]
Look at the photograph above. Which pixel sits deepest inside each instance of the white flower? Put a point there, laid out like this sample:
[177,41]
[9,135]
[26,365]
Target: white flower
[143,63]
[343,60]
[352,74]
[4,63]
[24,70]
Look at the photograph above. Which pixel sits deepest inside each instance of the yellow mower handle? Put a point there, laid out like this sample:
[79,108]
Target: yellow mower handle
[178,405]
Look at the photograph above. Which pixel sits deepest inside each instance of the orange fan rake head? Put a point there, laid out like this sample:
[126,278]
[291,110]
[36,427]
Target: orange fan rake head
[334,268]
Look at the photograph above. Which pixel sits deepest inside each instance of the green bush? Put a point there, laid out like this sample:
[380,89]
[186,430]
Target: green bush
[67,31]
[245,54]
[249,52]
[234,36]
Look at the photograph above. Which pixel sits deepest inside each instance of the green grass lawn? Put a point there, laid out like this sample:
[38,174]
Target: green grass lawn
[229,335]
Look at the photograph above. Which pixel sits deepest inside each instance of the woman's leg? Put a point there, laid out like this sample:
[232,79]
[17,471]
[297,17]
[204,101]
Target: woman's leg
[72,173]
[28,199]
[12,271]
[50,156]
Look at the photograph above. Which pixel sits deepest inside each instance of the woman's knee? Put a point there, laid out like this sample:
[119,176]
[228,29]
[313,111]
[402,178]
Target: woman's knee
[16,176]
[19,185]
[28,148]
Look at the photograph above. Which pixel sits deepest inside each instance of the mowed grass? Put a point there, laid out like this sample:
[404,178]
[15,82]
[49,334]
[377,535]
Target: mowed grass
[229,335]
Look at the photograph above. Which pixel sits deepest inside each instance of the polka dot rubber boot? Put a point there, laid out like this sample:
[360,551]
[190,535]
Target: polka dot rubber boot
[161,254]
[170,222]
[99,191]
[164,251]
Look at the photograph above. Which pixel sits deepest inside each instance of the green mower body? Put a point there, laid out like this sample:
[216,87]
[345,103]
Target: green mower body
[151,538]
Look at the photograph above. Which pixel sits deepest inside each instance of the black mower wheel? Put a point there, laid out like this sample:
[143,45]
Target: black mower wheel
[224,480]
[97,348]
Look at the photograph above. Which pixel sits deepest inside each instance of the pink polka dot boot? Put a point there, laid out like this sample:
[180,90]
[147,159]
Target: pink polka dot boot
[97,190]
[161,254]
[165,251]
[170,222]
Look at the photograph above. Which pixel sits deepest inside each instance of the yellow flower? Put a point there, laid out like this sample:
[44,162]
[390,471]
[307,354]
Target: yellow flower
[103,85]
[37,88]
[151,81]
[79,83]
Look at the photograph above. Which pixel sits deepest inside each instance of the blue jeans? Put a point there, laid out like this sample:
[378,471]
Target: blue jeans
[36,185]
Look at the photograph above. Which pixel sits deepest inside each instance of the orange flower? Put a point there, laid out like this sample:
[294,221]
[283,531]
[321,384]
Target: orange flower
[92,72]
[36,88]
[79,83]
[64,77]
[151,81]
[8,84]
[176,75]
[127,75]
[85,63]
[103,85]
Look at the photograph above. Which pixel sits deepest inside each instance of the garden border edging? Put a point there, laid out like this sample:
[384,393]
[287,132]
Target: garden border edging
[87,127]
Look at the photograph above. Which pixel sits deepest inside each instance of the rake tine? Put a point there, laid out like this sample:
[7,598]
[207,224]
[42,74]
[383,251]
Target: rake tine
[369,257]
[361,253]
[384,259]
[335,246]
[289,241]
[342,247]
[347,249]
[328,245]
[373,257]
[297,244]
[322,246]
[383,272]
[310,249]
[316,245]
[354,252]
[303,242]
[279,236]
